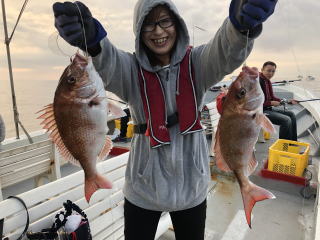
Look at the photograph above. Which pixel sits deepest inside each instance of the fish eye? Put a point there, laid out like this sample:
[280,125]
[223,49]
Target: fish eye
[242,93]
[71,80]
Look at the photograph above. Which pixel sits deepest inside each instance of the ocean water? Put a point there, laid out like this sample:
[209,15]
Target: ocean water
[32,96]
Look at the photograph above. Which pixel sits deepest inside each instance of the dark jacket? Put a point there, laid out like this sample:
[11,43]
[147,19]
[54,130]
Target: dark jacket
[266,86]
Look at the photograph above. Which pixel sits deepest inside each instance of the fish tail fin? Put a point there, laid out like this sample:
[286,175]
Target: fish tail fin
[252,195]
[92,185]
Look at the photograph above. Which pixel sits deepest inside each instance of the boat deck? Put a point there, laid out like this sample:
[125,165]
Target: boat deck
[289,216]
[286,217]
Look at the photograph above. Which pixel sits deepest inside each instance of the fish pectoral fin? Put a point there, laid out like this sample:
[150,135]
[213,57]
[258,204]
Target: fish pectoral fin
[115,110]
[50,124]
[252,195]
[265,123]
[106,149]
[220,162]
[252,164]
[47,112]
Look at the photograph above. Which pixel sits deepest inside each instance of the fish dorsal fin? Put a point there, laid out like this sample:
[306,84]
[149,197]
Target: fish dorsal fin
[252,164]
[220,162]
[106,149]
[50,125]
[265,123]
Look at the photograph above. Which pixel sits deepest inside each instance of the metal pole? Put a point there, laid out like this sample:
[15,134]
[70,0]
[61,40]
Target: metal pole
[7,42]
[193,36]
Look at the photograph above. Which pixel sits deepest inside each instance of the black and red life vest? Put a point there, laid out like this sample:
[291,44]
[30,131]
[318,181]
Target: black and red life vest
[153,97]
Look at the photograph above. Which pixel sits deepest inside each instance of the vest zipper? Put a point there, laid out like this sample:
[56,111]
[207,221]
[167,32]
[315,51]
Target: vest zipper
[165,102]
[177,81]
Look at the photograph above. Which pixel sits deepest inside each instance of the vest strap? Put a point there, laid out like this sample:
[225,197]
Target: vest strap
[142,128]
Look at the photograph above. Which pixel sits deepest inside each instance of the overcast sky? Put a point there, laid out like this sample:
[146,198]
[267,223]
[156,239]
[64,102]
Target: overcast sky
[290,37]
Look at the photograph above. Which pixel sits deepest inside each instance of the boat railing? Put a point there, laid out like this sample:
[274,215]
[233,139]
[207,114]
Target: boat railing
[105,211]
[317,212]
[21,160]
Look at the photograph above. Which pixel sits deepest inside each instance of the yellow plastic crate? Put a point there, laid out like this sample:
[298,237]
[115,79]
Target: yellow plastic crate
[117,122]
[129,129]
[266,135]
[288,157]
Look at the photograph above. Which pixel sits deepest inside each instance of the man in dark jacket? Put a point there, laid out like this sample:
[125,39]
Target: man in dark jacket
[285,119]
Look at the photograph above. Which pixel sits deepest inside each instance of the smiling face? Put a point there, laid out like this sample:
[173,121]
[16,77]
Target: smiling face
[161,39]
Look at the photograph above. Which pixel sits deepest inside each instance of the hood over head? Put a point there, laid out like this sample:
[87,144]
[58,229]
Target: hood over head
[142,9]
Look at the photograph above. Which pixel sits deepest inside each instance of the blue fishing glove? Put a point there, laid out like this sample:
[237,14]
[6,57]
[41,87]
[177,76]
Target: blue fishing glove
[250,14]
[79,30]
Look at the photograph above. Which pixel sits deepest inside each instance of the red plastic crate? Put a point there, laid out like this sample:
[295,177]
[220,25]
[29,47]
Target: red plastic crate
[281,176]
[117,150]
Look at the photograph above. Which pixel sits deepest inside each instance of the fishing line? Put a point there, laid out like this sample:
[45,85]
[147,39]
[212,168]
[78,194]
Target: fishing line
[86,54]
[53,44]
[290,88]
[289,38]
[83,30]
[246,50]
[305,91]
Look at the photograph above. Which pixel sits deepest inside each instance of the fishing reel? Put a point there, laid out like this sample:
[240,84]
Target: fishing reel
[284,102]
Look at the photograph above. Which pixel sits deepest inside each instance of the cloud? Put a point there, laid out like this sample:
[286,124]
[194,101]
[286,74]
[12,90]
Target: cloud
[289,36]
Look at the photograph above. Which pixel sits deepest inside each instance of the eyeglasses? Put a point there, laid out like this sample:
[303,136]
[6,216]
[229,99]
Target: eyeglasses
[164,23]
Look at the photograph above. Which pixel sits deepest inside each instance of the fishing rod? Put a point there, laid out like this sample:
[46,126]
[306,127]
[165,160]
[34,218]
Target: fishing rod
[308,100]
[285,101]
[217,88]
[287,81]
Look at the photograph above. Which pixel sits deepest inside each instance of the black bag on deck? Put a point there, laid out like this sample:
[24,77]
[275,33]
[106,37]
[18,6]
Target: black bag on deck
[27,224]
[57,232]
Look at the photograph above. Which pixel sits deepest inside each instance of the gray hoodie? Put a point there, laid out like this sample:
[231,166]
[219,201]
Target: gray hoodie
[171,177]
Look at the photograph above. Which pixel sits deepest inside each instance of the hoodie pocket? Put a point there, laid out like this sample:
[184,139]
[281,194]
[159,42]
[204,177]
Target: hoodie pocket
[145,169]
[198,163]
[144,181]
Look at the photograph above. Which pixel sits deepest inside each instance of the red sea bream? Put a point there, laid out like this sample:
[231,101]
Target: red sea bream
[238,129]
[77,120]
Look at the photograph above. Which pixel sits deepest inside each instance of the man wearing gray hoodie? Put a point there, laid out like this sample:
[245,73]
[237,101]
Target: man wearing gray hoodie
[164,82]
